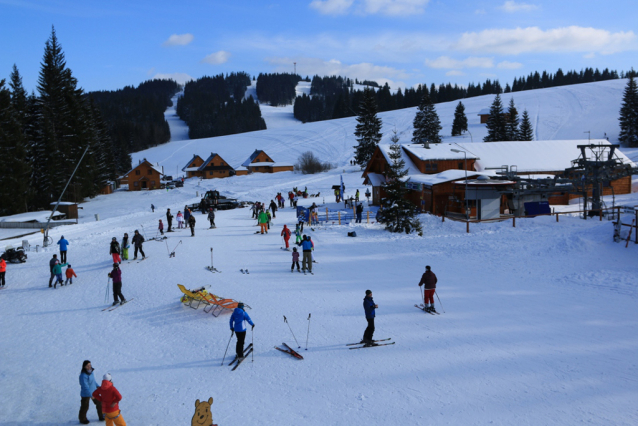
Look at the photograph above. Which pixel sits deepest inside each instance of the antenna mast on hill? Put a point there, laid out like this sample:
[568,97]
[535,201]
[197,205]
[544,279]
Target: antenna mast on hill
[295,67]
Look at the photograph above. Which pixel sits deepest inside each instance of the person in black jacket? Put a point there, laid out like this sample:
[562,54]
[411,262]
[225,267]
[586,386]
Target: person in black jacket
[359,212]
[138,240]
[369,308]
[191,224]
[428,281]
[211,217]
[54,261]
[169,220]
[273,208]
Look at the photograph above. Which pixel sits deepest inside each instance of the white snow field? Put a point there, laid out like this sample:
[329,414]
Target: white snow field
[537,327]
[179,128]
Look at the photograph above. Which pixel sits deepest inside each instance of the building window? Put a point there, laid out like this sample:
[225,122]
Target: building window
[431,167]
[137,172]
[210,173]
[136,183]
[149,172]
[460,166]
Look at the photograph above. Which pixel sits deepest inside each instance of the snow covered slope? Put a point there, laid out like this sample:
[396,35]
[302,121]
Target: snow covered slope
[280,116]
[556,113]
[179,128]
[539,323]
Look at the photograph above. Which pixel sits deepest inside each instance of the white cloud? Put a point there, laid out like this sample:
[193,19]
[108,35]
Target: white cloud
[589,56]
[480,12]
[179,40]
[331,7]
[446,62]
[180,77]
[507,65]
[533,39]
[362,71]
[370,7]
[454,73]
[216,58]
[513,7]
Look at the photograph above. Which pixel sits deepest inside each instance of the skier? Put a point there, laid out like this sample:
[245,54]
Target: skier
[63,246]
[169,220]
[161,227]
[369,307]
[297,235]
[3,271]
[211,217]
[70,273]
[294,200]
[109,396]
[187,215]
[191,224]
[286,234]
[125,246]
[356,196]
[368,195]
[237,326]
[306,246]
[300,221]
[273,208]
[269,218]
[115,251]
[312,251]
[116,276]
[180,220]
[138,240]
[57,271]
[88,386]
[428,281]
[54,261]
[295,260]
[152,208]
[359,212]
[291,197]
[263,221]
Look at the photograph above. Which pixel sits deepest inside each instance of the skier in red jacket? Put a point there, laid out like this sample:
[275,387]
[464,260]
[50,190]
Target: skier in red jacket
[108,395]
[286,234]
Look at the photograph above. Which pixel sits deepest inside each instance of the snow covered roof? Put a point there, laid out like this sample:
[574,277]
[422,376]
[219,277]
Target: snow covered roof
[269,164]
[42,217]
[155,167]
[190,169]
[376,179]
[438,151]
[438,178]
[412,168]
[534,156]
[252,157]
[484,111]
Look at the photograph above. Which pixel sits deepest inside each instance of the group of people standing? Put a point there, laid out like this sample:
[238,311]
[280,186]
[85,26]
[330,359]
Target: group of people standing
[105,397]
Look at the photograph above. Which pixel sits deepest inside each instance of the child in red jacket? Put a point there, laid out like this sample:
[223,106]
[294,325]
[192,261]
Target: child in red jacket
[70,273]
[109,397]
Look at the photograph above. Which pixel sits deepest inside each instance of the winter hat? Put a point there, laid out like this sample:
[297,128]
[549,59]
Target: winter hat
[114,239]
[68,265]
[61,236]
[427,268]
[368,292]
[107,377]
[240,305]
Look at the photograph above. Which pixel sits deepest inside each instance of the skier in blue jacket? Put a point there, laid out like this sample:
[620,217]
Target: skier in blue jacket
[63,246]
[88,386]
[237,326]
[369,307]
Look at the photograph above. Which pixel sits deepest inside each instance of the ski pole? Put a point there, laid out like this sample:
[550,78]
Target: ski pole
[106,295]
[211,258]
[422,296]
[437,296]
[231,338]
[252,341]
[293,334]
[308,334]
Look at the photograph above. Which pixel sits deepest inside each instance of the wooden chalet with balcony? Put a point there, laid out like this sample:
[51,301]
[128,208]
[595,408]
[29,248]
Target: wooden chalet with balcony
[145,176]
[260,162]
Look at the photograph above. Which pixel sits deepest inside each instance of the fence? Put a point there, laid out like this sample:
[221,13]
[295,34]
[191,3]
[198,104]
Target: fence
[33,225]
[328,216]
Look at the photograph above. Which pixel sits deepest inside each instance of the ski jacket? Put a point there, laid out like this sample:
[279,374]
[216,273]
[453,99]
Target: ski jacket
[52,263]
[3,265]
[87,384]
[211,215]
[169,216]
[115,247]
[70,273]
[368,306]
[161,226]
[428,280]
[191,221]
[63,244]
[295,256]
[306,245]
[359,209]
[187,214]
[125,244]
[138,240]
[57,269]
[180,217]
[263,217]
[237,320]
[116,275]
[108,395]
[286,233]
[273,206]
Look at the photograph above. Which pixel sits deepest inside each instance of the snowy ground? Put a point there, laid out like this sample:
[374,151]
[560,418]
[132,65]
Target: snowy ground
[278,116]
[179,128]
[539,323]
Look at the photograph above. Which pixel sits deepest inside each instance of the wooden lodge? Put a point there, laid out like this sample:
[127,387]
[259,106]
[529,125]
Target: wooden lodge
[145,176]
[260,162]
[211,168]
[192,167]
[484,115]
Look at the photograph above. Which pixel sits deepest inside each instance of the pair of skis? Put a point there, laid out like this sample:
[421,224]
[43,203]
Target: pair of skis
[290,351]
[138,261]
[247,352]
[114,307]
[374,343]
[422,307]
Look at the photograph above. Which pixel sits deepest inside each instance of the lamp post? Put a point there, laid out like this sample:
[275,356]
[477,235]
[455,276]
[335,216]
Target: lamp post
[467,211]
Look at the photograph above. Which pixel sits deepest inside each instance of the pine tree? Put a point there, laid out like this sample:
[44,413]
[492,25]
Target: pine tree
[525,131]
[496,123]
[511,123]
[368,129]
[426,123]
[459,125]
[398,213]
[18,96]
[629,115]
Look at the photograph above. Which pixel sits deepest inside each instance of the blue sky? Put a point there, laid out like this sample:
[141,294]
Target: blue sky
[110,44]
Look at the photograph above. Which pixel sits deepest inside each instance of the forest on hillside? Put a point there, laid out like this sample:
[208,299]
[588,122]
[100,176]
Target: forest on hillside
[277,89]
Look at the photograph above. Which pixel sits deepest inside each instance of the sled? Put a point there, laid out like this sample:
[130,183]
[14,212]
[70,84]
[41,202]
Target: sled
[214,304]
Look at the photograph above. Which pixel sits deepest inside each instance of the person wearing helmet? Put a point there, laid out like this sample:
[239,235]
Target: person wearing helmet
[138,240]
[115,251]
[116,276]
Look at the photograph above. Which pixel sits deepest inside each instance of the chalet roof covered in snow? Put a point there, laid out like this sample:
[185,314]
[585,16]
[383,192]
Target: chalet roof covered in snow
[187,167]
[438,151]
[251,158]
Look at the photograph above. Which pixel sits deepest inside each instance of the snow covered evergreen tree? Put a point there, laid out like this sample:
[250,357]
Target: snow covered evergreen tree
[511,123]
[398,213]
[459,125]
[368,130]
[426,123]
[496,122]
[18,96]
[525,131]
[629,115]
